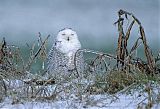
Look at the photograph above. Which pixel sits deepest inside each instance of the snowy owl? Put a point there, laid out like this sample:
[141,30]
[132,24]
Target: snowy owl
[61,58]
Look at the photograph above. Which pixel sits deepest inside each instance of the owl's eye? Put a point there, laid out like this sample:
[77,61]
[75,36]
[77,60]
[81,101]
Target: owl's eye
[63,34]
[72,34]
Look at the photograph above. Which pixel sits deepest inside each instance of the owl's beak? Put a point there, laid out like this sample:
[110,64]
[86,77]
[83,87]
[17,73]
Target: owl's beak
[68,39]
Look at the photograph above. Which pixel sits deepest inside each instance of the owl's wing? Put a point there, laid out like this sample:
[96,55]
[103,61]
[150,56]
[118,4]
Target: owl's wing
[80,64]
[56,62]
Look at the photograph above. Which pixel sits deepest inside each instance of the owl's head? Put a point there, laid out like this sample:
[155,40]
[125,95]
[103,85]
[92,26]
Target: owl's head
[67,41]
[67,34]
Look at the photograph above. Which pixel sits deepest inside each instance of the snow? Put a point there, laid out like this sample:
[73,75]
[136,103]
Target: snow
[120,101]
[70,101]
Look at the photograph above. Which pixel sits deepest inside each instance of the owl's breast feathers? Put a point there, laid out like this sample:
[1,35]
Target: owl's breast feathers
[68,46]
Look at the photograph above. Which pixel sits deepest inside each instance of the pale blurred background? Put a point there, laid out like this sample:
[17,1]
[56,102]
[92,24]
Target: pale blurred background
[21,20]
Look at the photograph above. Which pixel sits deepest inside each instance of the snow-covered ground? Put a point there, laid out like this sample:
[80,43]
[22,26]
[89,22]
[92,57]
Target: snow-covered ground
[99,101]
[120,101]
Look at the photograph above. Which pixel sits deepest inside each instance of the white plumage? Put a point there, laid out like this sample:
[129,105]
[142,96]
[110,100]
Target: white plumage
[62,54]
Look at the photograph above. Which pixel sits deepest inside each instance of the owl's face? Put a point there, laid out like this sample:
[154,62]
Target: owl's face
[67,41]
[67,35]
